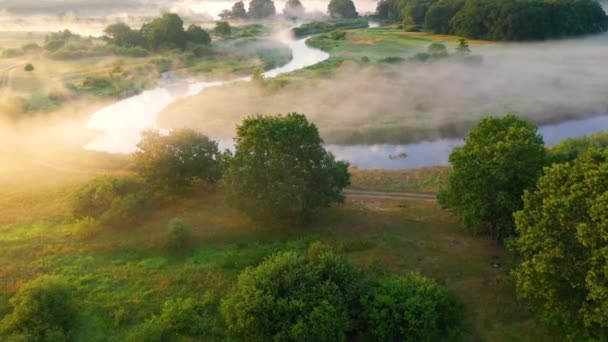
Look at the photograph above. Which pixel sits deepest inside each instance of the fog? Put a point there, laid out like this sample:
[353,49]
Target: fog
[546,82]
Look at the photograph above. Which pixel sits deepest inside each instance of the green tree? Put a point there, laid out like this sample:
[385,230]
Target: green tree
[238,10]
[569,149]
[411,308]
[260,9]
[293,9]
[281,169]
[42,310]
[196,35]
[290,297]
[463,47]
[563,247]
[172,162]
[342,9]
[178,236]
[166,32]
[500,159]
[120,34]
[437,50]
[222,29]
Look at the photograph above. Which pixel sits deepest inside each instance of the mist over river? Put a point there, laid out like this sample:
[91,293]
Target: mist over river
[120,124]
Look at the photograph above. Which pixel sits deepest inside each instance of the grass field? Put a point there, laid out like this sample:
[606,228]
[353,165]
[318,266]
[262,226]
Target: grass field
[430,179]
[123,276]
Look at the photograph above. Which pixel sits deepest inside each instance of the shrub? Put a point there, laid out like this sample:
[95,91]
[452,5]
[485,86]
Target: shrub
[437,50]
[412,28]
[184,318]
[177,236]
[10,53]
[43,310]
[337,35]
[112,200]
[411,308]
[29,67]
[294,297]
[86,227]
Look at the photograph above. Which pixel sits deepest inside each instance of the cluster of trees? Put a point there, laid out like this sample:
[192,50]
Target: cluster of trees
[261,9]
[316,295]
[342,9]
[551,205]
[279,170]
[164,33]
[499,19]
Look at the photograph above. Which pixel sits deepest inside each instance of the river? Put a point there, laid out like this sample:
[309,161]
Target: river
[121,123]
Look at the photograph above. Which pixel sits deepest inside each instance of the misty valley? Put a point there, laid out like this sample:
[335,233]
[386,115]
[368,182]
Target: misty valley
[361,170]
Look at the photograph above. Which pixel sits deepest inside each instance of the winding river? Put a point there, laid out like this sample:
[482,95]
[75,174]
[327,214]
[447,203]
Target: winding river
[121,123]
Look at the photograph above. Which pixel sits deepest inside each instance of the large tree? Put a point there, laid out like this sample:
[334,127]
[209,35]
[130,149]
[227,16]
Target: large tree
[500,159]
[260,9]
[281,169]
[171,162]
[197,35]
[121,34]
[238,10]
[342,9]
[563,246]
[293,9]
[166,32]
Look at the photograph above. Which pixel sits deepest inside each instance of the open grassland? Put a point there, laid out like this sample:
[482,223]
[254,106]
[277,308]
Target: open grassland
[381,44]
[124,275]
[428,179]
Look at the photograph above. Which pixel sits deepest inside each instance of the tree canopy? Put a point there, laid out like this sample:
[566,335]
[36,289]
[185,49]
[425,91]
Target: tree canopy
[563,246]
[281,169]
[196,35]
[260,9]
[293,9]
[222,29]
[500,19]
[342,9]
[501,157]
[172,162]
[238,10]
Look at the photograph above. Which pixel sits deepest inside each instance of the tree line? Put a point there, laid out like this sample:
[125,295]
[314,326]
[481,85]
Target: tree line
[550,206]
[511,20]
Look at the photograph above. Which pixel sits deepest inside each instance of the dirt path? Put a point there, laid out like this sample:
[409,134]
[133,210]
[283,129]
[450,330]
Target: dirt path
[412,196]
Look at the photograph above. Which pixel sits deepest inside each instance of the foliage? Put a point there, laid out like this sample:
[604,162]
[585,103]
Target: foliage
[260,9]
[499,19]
[112,200]
[337,35]
[238,10]
[569,149]
[198,36]
[178,236]
[411,308]
[293,9]
[166,32]
[500,159]
[281,169]
[120,34]
[184,318]
[437,50]
[222,29]
[463,47]
[43,310]
[342,9]
[172,162]
[317,27]
[563,247]
[294,297]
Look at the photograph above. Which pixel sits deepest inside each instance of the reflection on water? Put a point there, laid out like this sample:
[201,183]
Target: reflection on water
[437,152]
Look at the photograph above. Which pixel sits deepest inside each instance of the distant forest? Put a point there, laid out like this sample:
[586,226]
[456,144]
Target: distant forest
[513,20]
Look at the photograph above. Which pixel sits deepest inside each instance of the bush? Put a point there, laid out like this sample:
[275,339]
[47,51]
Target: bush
[112,200]
[177,236]
[294,297]
[337,35]
[317,27]
[422,57]
[29,67]
[437,50]
[86,227]
[412,28]
[10,53]
[43,310]
[411,308]
[190,318]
